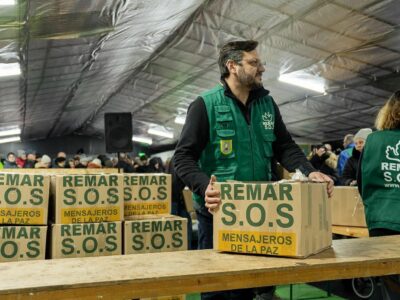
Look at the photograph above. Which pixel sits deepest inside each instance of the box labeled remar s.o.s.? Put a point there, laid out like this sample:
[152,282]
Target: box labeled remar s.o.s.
[24,198]
[86,240]
[283,219]
[147,194]
[87,198]
[159,233]
[22,243]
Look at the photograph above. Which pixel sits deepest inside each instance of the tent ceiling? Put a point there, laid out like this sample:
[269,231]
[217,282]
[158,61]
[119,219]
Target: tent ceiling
[81,59]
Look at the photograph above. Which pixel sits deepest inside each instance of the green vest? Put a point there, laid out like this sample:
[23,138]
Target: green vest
[237,150]
[381,179]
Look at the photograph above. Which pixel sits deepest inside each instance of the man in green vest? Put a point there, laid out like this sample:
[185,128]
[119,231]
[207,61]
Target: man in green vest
[235,132]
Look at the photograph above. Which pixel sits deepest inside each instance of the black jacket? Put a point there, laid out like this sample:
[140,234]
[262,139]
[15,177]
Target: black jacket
[320,164]
[351,168]
[195,136]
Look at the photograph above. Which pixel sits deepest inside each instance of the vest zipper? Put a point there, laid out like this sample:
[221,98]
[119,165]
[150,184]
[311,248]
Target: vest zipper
[251,146]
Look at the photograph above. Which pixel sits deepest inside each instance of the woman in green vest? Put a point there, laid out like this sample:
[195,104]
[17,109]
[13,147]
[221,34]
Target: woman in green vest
[379,180]
[380,171]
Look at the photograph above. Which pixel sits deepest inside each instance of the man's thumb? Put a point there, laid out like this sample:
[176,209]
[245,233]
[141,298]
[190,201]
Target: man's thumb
[213,179]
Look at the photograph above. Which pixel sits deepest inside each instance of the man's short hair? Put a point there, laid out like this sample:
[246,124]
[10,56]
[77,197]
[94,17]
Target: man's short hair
[233,51]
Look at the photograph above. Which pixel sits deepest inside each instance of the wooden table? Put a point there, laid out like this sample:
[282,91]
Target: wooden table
[145,275]
[350,231]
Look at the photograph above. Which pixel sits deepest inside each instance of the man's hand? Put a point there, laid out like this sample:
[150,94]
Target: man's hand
[320,177]
[212,198]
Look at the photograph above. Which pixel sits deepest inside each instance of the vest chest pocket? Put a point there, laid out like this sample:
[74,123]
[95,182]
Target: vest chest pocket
[268,138]
[223,117]
[224,148]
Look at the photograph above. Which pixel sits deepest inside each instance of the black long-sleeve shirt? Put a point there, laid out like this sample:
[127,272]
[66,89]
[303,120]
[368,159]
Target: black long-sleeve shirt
[195,137]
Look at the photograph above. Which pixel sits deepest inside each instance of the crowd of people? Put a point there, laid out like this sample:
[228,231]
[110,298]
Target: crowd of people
[31,159]
[341,167]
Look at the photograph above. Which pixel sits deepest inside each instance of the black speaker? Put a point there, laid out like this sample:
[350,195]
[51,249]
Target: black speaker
[118,132]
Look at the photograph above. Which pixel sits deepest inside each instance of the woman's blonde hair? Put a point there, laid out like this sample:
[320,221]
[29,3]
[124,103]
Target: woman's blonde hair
[389,115]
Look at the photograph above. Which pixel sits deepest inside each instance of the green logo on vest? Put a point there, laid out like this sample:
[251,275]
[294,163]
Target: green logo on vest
[226,147]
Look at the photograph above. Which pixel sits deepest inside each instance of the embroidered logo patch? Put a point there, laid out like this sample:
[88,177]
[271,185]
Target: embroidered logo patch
[268,120]
[393,153]
[226,147]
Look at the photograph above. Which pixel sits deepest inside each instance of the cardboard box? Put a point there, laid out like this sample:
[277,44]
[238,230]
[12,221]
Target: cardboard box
[86,239]
[87,198]
[347,207]
[155,234]
[22,243]
[147,194]
[283,219]
[24,198]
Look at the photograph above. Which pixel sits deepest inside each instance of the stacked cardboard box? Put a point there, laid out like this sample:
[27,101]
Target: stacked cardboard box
[87,210]
[24,200]
[347,207]
[152,233]
[149,227]
[283,219]
[147,194]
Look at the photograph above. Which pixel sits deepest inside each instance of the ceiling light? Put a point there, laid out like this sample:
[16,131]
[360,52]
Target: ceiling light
[160,132]
[10,69]
[180,119]
[14,131]
[7,2]
[304,80]
[10,139]
[142,139]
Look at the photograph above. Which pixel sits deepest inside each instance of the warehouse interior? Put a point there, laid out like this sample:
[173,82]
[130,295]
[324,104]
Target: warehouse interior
[77,60]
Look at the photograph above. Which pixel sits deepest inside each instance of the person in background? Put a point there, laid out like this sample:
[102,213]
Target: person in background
[94,164]
[44,163]
[61,154]
[30,160]
[10,163]
[378,174]
[125,163]
[143,166]
[326,162]
[349,176]
[328,147]
[348,144]
[71,163]
[60,163]
[105,161]
[156,165]
[21,158]
[77,162]
[84,161]
[235,133]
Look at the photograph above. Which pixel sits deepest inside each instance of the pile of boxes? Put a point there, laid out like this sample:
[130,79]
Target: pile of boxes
[24,202]
[88,215]
[85,215]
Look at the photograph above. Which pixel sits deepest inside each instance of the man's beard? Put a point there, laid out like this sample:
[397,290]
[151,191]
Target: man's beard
[248,80]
